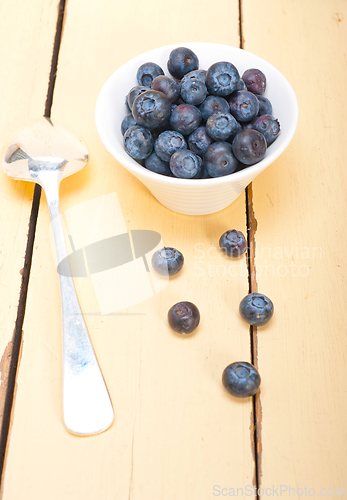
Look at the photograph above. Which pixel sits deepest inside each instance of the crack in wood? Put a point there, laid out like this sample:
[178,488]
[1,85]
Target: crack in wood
[9,374]
[256,416]
[55,57]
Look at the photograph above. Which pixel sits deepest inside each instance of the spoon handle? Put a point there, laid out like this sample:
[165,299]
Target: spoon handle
[87,406]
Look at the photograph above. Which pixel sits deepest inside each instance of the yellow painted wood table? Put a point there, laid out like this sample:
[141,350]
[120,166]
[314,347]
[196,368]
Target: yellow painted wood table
[177,433]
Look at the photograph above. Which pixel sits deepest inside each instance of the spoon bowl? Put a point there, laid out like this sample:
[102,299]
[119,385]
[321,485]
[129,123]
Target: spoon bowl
[46,153]
[46,142]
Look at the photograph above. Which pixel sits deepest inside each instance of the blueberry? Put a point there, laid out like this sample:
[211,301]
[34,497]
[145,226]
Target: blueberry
[126,104]
[213,104]
[198,74]
[222,78]
[256,309]
[249,146]
[185,164]
[184,317]
[151,109]
[199,141]
[204,174]
[181,61]
[241,379]
[233,243]
[255,81]
[185,118]
[167,261]
[156,164]
[161,104]
[269,126]
[138,142]
[168,143]
[221,126]
[147,72]
[244,105]
[219,159]
[180,101]
[168,86]
[193,91]
[127,122]
[249,124]
[134,92]
[265,106]
[241,85]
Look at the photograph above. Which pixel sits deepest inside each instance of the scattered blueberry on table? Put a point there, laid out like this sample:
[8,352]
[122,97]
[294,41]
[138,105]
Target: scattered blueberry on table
[184,317]
[241,379]
[167,261]
[256,309]
[233,243]
[226,121]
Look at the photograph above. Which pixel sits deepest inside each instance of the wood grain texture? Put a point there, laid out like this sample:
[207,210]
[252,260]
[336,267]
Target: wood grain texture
[26,39]
[299,205]
[177,432]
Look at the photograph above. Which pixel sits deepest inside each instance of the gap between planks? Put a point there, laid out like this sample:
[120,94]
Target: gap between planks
[251,222]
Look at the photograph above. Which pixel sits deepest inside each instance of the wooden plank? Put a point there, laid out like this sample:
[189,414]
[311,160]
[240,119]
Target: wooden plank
[26,42]
[299,204]
[177,433]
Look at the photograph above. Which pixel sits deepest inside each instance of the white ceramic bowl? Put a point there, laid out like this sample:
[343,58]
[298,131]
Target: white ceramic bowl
[194,196]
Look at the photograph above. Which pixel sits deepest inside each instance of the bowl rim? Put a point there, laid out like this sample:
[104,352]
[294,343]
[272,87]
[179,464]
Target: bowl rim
[140,171]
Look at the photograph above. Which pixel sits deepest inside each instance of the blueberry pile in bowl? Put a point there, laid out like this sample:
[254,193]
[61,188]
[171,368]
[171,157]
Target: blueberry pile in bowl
[198,123]
[206,194]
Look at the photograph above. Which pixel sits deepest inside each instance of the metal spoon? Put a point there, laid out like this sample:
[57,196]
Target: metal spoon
[46,153]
